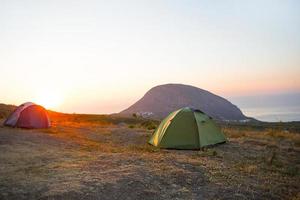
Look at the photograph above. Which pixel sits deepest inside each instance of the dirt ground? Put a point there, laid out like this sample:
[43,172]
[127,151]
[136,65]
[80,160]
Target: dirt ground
[94,161]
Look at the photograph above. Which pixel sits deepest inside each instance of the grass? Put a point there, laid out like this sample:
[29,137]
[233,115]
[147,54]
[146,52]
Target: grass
[293,127]
[131,126]
[5,110]
[93,156]
[234,133]
[149,124]
[145,148]
[246,167]
[107,154]
[207,152]
[292,171]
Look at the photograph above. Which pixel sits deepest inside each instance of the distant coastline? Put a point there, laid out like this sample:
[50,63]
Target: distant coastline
[270,108]
[274,114]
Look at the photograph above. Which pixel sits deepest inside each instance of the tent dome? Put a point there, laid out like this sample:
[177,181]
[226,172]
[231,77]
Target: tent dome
[28,115]
[187,128]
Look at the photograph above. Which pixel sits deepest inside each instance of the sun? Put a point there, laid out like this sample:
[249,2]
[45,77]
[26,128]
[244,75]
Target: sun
[50,99]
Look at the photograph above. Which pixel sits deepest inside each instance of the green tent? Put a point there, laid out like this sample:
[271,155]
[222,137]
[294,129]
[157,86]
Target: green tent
[187,128]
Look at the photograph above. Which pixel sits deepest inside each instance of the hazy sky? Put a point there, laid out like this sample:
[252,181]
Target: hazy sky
[101,56]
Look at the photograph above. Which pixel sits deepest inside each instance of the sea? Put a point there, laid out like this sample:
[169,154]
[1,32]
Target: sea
[270,108]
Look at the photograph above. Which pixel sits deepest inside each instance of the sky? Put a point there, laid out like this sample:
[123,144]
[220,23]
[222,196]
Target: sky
[92,56]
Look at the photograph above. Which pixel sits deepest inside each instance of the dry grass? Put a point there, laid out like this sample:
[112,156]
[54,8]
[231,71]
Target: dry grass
[98,158]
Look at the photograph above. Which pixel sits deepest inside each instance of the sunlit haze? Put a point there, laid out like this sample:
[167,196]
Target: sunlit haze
[102,56]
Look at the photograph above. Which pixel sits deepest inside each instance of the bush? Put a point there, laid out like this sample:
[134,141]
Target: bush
[149,125]
[207,152]
[131,126]
[292,171]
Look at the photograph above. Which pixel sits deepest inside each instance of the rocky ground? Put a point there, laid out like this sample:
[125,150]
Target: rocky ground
[85,160]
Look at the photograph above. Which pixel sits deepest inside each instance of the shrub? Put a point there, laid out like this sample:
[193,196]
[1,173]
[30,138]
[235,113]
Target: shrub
[131,126]
[207,152]
[234,133]
[150,125]
[292,170]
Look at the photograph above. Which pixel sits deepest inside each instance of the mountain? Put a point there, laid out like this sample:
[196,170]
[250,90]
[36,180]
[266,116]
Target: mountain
[159,101]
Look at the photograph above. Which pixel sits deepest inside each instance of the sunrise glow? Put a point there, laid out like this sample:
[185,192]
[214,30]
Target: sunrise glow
[50,99]
[102,57]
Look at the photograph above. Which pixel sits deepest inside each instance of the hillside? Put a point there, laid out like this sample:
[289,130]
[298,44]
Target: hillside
[5,110]
[163,99]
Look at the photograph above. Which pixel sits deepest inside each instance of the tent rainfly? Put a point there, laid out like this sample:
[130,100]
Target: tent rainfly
[187,128]
[28,115]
